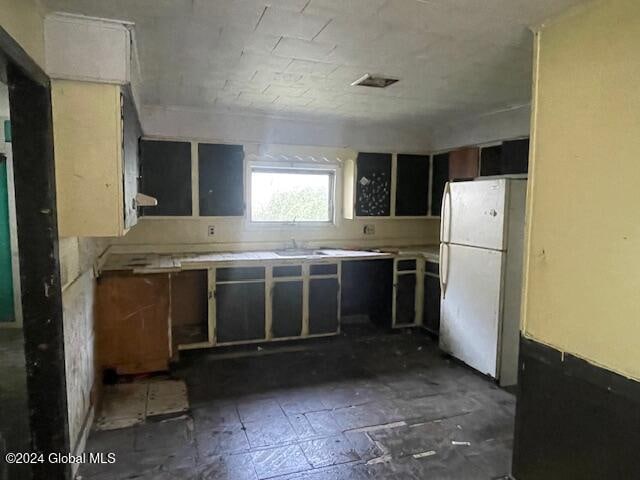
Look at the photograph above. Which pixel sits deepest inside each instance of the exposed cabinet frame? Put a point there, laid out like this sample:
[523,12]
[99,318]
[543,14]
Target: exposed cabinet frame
[419,290]
[269,281]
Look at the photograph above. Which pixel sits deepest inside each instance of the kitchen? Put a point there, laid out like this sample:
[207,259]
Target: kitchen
[317,239]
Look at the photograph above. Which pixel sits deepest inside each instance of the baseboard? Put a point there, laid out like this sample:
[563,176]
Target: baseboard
[573,419]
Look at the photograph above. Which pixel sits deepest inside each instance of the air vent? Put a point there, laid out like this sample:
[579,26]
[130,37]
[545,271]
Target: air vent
[374,82]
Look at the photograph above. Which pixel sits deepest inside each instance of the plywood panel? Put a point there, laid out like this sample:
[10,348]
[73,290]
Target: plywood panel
[132,322]
[463,164]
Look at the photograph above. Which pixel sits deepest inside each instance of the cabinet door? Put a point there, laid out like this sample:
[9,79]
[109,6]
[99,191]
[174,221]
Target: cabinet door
[221,181]
[130,146]
[132,322]
[323,305]
[286,308]
[515,156]
[440,179]
[165,174]
[373,185]
[431,309]
[491,161]
[463,164]
[412,185]
[240,312]
[406,299]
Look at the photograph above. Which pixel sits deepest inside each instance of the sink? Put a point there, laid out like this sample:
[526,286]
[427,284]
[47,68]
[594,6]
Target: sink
[299,252]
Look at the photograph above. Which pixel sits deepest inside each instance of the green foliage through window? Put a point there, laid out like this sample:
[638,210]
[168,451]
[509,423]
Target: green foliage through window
[291,195]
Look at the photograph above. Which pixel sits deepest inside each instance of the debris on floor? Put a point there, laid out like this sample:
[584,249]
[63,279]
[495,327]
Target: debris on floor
[127,404]
[430,453]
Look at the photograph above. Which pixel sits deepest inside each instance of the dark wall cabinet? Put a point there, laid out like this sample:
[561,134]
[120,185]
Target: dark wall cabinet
[431,307]
[323,305]
[509,158]
[440,177]
[373,185]
[412,185]
[221,180]
[287,304]
[165,173]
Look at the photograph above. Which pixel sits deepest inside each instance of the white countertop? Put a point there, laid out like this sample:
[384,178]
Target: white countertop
[154,262]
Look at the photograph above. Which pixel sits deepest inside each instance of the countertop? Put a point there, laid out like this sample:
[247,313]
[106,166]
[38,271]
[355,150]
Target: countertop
[155,262]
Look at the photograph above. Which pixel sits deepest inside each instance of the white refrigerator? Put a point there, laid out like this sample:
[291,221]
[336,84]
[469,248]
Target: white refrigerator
[481,238]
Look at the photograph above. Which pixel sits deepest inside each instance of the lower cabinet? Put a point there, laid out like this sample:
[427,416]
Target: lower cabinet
[132,322]
[405,292]
[287,309]
[406,299]
[431,308]
[240,304]
[323,305]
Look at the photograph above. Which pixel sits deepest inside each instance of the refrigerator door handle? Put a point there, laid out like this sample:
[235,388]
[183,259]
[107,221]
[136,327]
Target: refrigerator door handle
[444,261]
[445,221]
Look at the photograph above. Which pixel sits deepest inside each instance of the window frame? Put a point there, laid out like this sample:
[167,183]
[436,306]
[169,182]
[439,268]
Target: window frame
[304,168]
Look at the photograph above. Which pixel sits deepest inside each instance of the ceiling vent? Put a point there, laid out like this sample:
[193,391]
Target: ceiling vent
[374,82]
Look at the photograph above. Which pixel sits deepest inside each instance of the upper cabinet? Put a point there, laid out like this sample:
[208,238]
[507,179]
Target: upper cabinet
[373,185]
[412,186]
[464,164]
[220,180]
[96,131]
[165,174]
[387,185]
[439,178]
[507,158]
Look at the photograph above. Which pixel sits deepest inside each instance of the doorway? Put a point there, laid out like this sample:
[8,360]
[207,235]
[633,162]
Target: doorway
[33,400]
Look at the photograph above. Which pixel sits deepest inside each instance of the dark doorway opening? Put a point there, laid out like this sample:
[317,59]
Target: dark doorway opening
[37,233]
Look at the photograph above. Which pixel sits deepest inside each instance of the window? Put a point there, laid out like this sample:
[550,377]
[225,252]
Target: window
[292,195]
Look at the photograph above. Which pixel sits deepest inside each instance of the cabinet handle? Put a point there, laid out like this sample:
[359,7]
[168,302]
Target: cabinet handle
[445,196]
[444,269]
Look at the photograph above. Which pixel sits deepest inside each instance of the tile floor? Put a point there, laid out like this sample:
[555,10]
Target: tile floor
[361,406]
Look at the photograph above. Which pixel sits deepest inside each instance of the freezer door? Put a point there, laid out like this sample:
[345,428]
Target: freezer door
[470,305]
[473,213]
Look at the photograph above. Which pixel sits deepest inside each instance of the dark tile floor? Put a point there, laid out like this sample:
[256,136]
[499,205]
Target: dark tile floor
[361,406]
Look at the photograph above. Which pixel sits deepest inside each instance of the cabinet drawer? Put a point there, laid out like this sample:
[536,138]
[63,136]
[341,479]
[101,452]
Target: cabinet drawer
[406,265]
[288,271]
[432,267]
[324,269]
[239,273]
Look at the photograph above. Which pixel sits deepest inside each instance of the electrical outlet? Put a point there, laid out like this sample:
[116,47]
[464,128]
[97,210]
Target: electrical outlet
[369,229]
[212,230]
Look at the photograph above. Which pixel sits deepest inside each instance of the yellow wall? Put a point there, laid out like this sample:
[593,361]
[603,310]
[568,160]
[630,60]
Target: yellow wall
[23,20]
[582,273]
